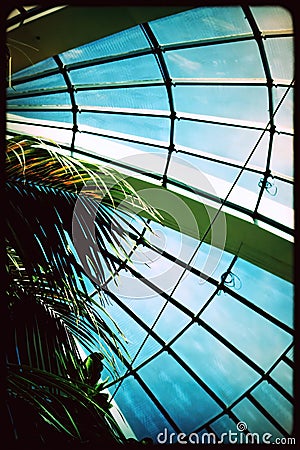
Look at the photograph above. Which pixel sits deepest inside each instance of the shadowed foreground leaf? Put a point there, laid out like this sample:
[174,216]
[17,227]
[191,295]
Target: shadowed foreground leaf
[69,230]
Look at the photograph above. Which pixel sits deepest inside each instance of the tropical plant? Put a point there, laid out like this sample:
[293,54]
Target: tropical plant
[51,199]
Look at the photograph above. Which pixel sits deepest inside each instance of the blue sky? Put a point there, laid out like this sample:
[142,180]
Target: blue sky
[225,106]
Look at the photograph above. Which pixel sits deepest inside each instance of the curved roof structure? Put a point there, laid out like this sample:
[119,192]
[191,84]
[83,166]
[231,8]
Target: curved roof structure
[196,110]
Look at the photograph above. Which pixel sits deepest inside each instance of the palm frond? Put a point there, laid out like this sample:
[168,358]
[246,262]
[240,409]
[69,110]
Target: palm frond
[59,402]
[69,229]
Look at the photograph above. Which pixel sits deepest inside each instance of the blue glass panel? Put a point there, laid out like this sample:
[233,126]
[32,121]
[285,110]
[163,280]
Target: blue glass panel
[162,272]
[123,42]
[290,354]
[193,292]
[146,309]
[283,374]
[133,332]
[177,391]
[140,412]
[284,117]
[212,261]
[200,23]
[275,294]
[149,127]
[226,374]
[51,99]
[154,97]
[256,337]
[52,81]
[236,102]
[280,54]
[280,408]
[35,69]
[233,60]
[174,242]
[255,421]
[222,427]
[224,141]
[127,286]
[171,322]
[146,351]
[55,116]
[272,17]
[133,69]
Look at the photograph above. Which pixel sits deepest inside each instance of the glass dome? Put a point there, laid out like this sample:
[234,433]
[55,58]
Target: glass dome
[196,110]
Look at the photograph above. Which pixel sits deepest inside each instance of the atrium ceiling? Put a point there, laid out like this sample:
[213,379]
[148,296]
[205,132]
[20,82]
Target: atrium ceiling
[194,106]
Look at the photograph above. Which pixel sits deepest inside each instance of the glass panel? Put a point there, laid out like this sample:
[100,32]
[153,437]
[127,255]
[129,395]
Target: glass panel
[146,351]
[133,332]
[193,292]
[146,309]
[133,69]
[283,374]
[140,412]
[53,116]
[285,114]
[154,97]
[123,42]
[275,294]
[282,159]
[256,337]
[177,391]
[35,69]
[173,242]
[280,53]
[280,408]
[226,374]
[40,100]
[171,322]
[284,193]
[213,257]
[255,422]
[52,81]
[162,272]
[129,286]
[149,127]
[233,60]
[236,102]
[272,17]
[215,178]
[200,23]
[290,354]
[150,159]
[225,141]
[280,210]
[54,134]
[223,427]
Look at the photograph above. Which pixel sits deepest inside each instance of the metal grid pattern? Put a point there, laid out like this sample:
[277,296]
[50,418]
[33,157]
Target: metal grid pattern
[20,101]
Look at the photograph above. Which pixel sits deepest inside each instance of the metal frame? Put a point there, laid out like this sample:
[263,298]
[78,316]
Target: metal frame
[158,51]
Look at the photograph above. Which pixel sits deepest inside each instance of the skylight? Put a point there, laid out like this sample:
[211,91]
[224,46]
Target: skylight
[199,104]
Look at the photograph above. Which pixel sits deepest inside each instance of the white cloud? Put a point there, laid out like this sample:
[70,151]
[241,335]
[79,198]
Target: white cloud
[185,63]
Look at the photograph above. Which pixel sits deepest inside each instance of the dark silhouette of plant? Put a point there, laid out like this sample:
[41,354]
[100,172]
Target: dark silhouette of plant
[51,393]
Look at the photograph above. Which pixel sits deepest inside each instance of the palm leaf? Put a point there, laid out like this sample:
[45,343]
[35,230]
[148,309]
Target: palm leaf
[49,283]
[59,401]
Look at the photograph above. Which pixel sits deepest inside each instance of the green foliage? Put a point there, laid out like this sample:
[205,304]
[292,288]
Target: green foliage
[49,302]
